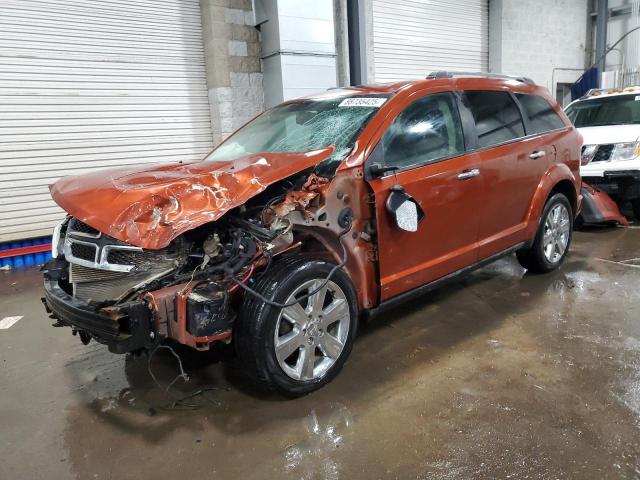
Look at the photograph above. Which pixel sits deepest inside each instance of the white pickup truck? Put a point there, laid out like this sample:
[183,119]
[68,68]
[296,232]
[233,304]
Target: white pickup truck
[609,121]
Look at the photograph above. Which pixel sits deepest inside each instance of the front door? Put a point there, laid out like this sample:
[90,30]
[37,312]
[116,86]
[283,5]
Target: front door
[426,144]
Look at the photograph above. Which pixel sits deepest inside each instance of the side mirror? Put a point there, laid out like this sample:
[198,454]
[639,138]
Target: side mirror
[404,209]
[376,170]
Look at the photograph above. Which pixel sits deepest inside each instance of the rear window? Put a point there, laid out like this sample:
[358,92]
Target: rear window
[496,115]
[542,117]
[618,110]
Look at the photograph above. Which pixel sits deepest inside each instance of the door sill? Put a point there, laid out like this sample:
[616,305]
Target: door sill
[428,287]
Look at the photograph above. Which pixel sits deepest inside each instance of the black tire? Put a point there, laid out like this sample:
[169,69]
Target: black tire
[635,207]
[254,331]
[533,258]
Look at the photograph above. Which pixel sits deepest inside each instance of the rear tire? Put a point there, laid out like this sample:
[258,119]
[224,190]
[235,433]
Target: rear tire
[553,238]
[299,349]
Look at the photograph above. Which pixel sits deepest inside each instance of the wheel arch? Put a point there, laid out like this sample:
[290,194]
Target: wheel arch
[558,179]
[568,190]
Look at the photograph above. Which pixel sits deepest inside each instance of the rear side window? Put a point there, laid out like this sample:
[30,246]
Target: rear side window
[496,115]
[542,117]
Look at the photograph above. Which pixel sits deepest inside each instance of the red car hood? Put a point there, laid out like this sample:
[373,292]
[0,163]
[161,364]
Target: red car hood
[150,206]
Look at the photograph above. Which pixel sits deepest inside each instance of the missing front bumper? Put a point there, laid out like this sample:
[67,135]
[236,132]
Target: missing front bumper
[123,329]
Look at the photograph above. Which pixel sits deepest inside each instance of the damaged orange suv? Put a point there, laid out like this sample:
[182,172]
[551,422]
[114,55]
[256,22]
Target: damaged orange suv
[316,212]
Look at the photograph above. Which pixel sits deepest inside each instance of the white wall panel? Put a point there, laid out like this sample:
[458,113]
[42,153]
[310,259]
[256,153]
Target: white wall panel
[89,85]
[414,37]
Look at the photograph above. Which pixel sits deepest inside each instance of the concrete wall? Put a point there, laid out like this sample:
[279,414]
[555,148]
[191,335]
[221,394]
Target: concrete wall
[232,55]
[541,39]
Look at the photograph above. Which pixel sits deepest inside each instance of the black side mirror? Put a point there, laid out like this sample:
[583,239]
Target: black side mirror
[404,209]
[375,167]
[377,170]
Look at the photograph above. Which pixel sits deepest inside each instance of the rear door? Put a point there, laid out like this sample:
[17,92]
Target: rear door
[425,142]
[511,166]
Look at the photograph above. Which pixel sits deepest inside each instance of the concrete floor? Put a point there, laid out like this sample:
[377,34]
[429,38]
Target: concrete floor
[502,375]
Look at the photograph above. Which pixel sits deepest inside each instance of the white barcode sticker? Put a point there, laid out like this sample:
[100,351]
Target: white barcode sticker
[375,102]
[637,98]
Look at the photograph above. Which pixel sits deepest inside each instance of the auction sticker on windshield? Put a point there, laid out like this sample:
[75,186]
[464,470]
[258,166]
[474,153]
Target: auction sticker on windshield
[362,102]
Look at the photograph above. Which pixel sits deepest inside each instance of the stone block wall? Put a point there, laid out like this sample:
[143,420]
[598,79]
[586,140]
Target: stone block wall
[232,57]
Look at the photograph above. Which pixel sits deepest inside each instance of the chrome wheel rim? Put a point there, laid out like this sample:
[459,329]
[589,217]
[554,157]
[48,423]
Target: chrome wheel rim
[311,334]
[557,230]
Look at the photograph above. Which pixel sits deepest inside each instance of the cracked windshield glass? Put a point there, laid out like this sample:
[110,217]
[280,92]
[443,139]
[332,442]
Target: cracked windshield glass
[303,126]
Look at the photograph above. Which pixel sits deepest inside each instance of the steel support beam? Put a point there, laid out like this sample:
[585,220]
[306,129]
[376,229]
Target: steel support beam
[601,36]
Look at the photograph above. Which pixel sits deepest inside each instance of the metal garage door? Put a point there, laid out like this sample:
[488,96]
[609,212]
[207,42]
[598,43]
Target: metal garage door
[87,85]
[412,38]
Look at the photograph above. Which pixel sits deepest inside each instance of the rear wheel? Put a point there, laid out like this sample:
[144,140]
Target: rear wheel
[297,349]
[552,239]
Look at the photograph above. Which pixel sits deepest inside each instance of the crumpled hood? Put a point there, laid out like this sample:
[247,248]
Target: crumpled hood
[152,205]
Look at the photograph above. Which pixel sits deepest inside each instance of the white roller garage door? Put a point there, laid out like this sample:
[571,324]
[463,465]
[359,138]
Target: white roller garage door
[92,84]
[414,37]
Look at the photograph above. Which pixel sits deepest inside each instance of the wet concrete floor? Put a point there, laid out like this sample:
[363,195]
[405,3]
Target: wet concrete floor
[501,375]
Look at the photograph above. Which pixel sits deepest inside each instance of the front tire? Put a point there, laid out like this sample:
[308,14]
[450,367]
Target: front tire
[552,239]
[300,348]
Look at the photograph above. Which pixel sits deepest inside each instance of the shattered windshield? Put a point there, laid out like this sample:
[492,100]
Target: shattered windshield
[618,110]
[303,126]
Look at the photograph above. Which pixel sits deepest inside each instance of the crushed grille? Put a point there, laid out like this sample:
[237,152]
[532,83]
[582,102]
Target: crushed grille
[83,252]
[131,257]
[76,225]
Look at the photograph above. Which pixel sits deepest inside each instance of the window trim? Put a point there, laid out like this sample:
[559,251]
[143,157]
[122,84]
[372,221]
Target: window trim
[528,120]
[527,135]
[375,152]
[469,131]
[478,148]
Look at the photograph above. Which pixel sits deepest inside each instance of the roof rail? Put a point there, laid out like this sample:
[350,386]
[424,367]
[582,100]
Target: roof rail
[446,74]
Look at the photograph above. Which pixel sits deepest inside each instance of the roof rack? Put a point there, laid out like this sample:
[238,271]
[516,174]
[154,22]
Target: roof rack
[594,92]
[446,74]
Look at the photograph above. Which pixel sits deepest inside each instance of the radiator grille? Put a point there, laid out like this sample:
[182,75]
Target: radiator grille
[131,257]
[102,268]
[76,225]
[84,252]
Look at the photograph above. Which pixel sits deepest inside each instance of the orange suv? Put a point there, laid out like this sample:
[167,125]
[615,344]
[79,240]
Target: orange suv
[315,213]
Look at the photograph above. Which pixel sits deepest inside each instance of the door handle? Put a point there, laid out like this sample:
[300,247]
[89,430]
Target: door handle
[467,174]
[537,154]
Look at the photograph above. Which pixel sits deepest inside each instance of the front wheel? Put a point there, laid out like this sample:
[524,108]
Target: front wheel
[552,239]
[297,349]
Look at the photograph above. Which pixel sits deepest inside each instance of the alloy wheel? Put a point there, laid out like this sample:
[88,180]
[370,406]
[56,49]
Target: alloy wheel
[557,231]
[311,334]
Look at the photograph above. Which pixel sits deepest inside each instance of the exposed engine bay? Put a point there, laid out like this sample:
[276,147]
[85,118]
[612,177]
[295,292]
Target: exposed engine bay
[190,290]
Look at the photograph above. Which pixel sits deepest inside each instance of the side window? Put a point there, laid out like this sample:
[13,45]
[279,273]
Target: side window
[542,117]
[496,115]
[427,130]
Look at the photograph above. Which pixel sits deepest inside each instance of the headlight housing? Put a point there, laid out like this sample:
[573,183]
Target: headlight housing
[55,238]
[588,152]
[625,151]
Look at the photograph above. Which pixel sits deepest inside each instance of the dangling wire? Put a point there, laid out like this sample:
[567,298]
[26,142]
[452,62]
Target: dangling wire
[310,294]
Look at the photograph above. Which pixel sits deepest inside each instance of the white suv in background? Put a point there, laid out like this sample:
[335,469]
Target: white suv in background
[609,121]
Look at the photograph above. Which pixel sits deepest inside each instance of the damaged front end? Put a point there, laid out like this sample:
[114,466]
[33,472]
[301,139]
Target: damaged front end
[168,251]
[131,298]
